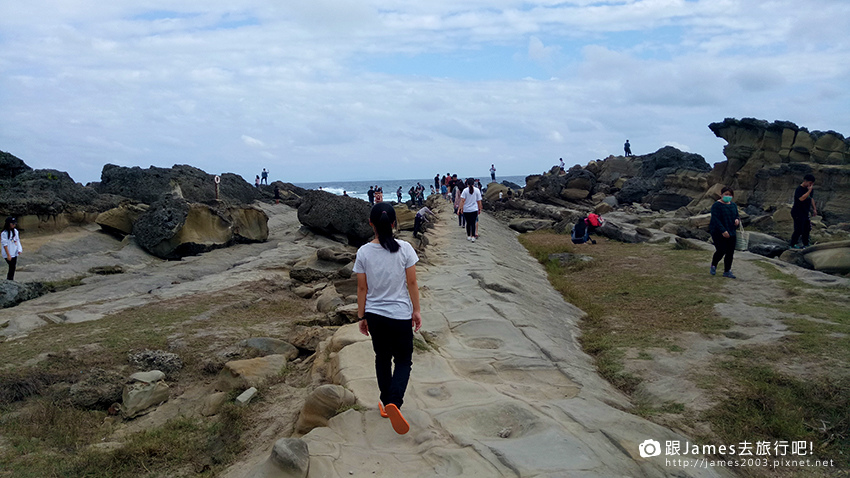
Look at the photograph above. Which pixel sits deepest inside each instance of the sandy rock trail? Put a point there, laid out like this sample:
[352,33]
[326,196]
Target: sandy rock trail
[505,389]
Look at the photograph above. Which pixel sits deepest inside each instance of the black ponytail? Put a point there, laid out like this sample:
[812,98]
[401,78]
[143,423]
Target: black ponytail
[471,184]
[382,217]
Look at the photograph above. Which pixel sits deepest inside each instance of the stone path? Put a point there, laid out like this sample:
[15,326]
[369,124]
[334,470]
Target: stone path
[506,392]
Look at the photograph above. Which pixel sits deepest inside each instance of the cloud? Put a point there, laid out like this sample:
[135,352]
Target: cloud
[519,83]
[253,142]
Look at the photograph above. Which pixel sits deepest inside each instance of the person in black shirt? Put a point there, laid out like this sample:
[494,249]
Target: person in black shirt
[371,194]
[803,205]
[724,220]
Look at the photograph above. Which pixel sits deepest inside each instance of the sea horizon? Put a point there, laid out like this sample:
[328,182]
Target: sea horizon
[359,189]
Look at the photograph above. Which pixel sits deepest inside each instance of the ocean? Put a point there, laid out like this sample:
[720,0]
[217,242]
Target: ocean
[358,189]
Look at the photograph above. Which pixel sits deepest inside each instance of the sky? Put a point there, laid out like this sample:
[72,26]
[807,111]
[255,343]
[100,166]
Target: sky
[316,90]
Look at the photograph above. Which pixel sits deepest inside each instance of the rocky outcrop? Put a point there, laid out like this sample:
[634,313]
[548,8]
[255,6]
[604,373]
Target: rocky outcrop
[142,392]
[173,228]
[45,199]
[666,179]
[340,217]
[765,162]
[149,185]
[575,185]
[119,221]
[321,405]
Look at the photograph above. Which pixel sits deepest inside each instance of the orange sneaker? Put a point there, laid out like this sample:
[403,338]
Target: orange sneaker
[400,425]
[381,409]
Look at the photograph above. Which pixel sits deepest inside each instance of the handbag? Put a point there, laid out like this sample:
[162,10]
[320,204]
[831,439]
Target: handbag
[742,239]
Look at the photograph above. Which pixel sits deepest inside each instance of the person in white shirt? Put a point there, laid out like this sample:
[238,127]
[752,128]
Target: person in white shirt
[470,207]
[388,309]
[10,245]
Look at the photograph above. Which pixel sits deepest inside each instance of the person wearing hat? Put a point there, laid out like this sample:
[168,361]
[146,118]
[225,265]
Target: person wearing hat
[388,309]
[10,245]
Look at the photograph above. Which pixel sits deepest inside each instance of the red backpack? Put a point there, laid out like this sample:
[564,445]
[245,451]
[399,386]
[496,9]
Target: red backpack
[593,220]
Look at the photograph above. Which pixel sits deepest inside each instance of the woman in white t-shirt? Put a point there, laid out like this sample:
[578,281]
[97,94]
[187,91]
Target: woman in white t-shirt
[388,309]
[470,206]
[10,245]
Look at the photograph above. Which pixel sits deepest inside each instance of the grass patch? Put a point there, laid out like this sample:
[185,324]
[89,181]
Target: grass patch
[420,345]
[51,440]
[635,296]
[771,406]
[60,285]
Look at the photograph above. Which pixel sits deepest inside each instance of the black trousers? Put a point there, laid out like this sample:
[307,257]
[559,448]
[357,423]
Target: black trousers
[392,341]
[470,217]
[13,263]
[802,229]
[724,249]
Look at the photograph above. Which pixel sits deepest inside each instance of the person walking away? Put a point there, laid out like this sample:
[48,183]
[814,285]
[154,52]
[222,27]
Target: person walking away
[627,148]
[437,182]
[444,191]
[371,194]
[398,193]
[470,205]
[724,220]
[10,245]
[804,203]
[456,192]
[388,309]
[493,173]
[265,177]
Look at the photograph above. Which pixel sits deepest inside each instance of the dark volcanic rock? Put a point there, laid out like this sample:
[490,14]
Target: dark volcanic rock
[330,214]
[13,293]
[155,228]
[49,192]
[548,188]
[11,166]
[173,228]
[148,185]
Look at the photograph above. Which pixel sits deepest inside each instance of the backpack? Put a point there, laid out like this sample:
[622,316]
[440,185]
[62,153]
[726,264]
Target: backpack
[593,220]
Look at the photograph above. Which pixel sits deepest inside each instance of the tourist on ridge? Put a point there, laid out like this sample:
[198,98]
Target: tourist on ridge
[344,193]
[398,193]
[470,206]
[493,173]
[265,177]
[433,191]
[10,243]
[371,194]
[437,182]
[444,190]
[257,182]
[276,195]
[627,148]
[561,163]
[724,220]
[803,205]
[379,195]
[388,309]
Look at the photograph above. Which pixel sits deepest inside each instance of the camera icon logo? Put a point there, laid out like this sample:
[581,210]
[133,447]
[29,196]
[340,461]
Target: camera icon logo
[649,448]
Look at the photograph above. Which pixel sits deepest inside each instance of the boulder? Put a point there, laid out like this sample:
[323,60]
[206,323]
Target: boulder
[119,221]
[13,293]
[624,232]
[323,404]
[530,224]
[142,392]
[243,374]
[833,257]
[262,346]
[167,362]
[332,215]
[493,190]
[290,458]
[97,390]
[574,194]
[405,217]
[765,244]
[329,300]
[173,228]
[309,338]
[602,208]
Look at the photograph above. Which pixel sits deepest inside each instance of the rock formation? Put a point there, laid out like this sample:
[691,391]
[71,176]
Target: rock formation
[172,227]
[767,161]
[343,218]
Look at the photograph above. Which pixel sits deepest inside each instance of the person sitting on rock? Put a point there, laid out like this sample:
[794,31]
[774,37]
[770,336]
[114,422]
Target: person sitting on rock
[388,309]
[584,226]
[420,219]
